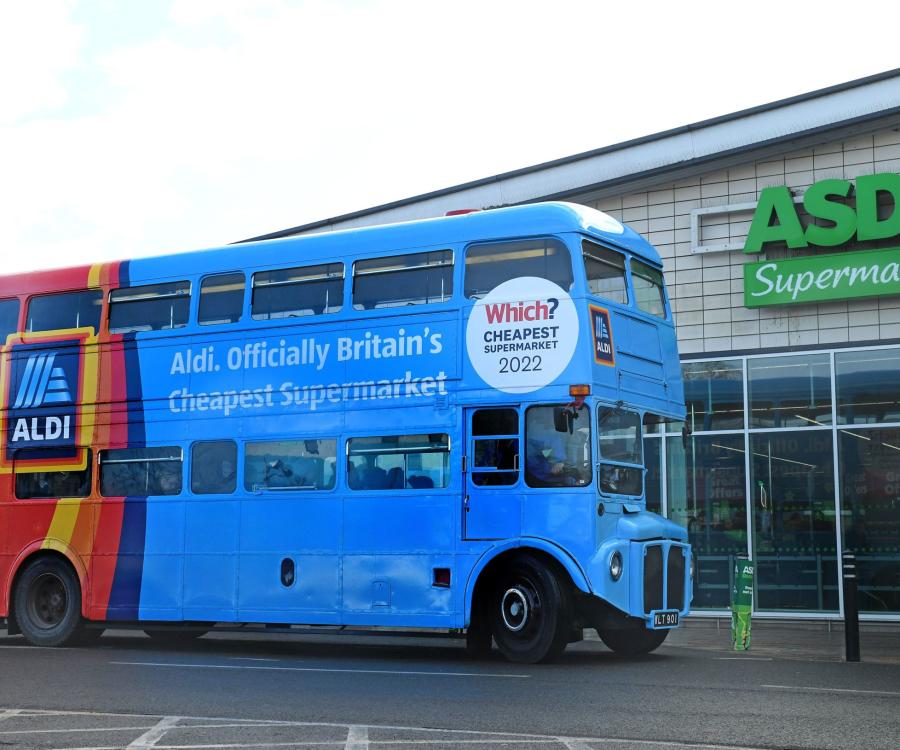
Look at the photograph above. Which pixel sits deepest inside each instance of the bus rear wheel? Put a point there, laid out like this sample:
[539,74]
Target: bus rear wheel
[632,641]
[528,612]
[47,603]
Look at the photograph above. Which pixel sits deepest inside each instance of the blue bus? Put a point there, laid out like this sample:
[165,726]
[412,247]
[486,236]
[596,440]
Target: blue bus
[434,424]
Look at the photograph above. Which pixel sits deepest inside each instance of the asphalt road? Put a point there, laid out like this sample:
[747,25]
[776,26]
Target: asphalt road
[374,692]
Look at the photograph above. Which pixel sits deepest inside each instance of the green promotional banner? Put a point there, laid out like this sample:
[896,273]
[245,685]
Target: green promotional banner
[822,278]
[741,603]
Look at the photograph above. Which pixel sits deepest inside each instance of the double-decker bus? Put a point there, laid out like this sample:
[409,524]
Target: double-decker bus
[434,424]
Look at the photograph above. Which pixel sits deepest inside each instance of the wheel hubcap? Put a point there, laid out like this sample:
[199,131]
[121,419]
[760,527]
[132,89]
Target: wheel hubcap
[47,601]
[515,610]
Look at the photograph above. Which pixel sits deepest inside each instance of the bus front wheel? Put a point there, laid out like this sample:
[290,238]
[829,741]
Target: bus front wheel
[528,612]
[48,603]
[632,641]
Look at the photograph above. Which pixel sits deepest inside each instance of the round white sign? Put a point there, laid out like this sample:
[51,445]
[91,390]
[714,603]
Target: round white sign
[522,335]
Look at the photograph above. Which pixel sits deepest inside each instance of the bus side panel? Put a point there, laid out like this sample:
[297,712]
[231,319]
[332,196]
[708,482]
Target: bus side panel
[393,543]
[211,558]
[302,528]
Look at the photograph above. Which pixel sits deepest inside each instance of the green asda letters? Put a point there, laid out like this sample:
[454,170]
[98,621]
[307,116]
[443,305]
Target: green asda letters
[776,219]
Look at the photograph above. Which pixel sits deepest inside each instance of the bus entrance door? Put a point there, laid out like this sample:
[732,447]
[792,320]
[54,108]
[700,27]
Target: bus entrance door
[493,501]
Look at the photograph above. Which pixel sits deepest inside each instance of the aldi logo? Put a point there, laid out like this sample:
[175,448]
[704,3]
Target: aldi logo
[601,327]
[48,380]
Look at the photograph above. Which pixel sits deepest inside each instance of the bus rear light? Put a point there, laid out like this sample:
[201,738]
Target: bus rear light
[580,390]
[462,211]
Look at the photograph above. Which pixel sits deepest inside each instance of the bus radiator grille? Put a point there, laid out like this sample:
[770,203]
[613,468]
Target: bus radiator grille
[675,579]
[653,578]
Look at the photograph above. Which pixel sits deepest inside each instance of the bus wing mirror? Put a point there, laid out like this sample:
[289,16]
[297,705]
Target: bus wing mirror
[563,419]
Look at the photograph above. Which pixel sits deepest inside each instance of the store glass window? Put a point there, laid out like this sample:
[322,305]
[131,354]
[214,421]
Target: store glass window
[706,494]
[868,386]
[789,391]
[870,513]
[795,546]
[714,394]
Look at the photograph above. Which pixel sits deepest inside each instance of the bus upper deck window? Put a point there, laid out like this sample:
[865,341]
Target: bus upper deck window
[54,312]
[605,271]
[298,292]
[489,265]
[152,307]
[9,318]
[400,280]
[221,299]
[648,289]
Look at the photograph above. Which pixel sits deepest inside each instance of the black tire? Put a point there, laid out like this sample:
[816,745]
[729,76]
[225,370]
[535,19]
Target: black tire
[48,603]
[176,636]
[478,643]
[529,612]
[633,641]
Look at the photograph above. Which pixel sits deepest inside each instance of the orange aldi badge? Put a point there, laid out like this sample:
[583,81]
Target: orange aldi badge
[601,327]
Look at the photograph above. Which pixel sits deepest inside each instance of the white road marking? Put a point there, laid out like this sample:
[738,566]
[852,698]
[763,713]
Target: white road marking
[153,735]
[186,665]
[5,732]
[357,738]
[9,713]
[574,744]
[885,693]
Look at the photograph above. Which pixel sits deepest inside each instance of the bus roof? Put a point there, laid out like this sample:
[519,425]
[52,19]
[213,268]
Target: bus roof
[500,223]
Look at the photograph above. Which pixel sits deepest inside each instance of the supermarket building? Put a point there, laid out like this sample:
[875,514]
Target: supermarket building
[780,236]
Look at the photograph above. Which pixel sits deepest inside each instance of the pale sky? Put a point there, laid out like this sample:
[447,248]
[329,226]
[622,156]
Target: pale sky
[138,127]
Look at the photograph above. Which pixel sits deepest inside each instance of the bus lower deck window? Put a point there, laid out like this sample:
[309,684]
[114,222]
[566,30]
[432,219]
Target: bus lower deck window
[489,265]
[55,312]
[51,484]
[398,462]
[214,467]
[400,280]
[152,307]
[139,472]
[298,292]
[290,465]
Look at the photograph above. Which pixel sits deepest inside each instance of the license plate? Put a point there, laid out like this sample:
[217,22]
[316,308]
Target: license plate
[667,618]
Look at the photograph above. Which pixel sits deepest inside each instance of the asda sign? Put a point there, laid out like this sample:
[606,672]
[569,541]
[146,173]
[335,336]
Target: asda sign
[828,276]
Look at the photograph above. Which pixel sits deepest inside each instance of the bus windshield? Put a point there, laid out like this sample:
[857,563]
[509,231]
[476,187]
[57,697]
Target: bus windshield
[620,442]
[557,458]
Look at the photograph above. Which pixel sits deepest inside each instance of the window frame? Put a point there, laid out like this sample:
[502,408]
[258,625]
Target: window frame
[348,452]
[18,318]
[602,461]
[88,467]
[242,485]
[45,295]
[243,310]
[471,299]
[143,298]
[321,277]
[587,254]
[237,458]
[661,287]
[101,463]
[354,274]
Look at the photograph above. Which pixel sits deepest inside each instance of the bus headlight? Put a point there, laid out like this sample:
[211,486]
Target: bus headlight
[615,565]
